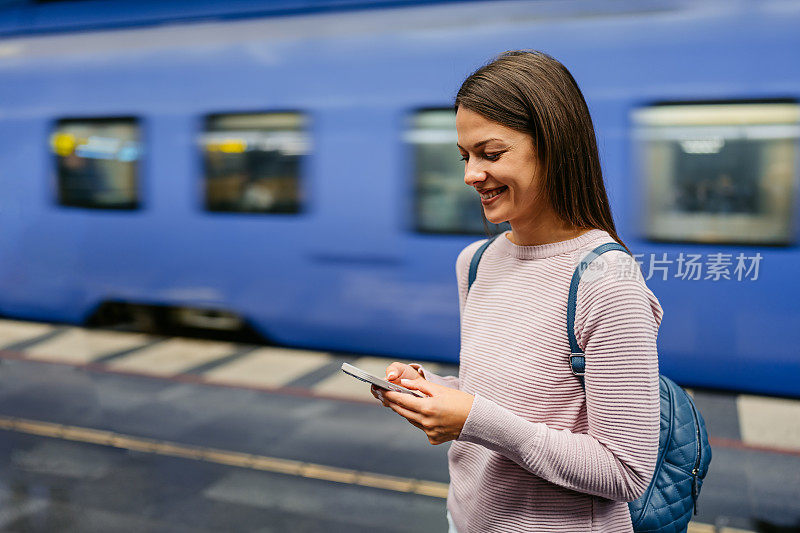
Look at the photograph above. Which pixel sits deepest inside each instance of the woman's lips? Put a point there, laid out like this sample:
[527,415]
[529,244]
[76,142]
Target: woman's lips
[487,201]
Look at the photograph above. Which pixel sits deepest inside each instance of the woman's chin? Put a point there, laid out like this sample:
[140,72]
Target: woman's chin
[494,217]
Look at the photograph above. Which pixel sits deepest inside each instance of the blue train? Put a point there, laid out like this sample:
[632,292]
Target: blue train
[296,170]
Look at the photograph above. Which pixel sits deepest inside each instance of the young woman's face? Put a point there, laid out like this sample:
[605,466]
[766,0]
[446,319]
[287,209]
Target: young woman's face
[500,160]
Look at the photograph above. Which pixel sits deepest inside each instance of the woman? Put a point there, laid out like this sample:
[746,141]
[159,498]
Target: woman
[531,450]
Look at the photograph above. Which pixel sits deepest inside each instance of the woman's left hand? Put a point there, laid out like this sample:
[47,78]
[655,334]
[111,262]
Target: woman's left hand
[441,414]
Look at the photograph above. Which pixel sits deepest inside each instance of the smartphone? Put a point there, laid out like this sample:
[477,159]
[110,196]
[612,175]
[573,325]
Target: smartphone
[378,382]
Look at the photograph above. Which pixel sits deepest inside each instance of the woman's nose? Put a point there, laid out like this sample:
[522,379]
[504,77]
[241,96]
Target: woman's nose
[473,174]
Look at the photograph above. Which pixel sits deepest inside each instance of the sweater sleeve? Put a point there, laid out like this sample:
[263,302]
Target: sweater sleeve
[617,320]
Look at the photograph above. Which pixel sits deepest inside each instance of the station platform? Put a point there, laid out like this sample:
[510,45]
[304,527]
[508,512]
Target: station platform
[253,429]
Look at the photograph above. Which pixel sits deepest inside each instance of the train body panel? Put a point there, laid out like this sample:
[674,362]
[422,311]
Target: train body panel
[348,272]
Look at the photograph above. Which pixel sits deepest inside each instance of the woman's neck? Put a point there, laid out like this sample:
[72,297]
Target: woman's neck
[544,230]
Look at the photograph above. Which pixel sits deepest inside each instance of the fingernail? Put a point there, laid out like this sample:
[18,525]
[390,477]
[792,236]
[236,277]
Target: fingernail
[405,380]
[391,375]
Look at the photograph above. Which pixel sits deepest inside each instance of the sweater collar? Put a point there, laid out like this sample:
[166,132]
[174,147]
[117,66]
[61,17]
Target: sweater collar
[541,251]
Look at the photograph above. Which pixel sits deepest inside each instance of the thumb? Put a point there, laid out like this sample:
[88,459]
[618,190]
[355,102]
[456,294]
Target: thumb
[419,384]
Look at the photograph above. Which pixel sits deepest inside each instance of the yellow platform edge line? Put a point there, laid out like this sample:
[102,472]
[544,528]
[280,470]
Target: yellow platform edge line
[224,457]
[251,461]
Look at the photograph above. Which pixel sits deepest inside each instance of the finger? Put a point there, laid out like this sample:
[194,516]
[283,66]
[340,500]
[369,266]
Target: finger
[394,371]
[378,394]
[416,424]
[411,416]
[405,400]
[420,384]
[409,372]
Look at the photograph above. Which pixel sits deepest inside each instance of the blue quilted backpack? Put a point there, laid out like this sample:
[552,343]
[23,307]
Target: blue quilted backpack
[683,450]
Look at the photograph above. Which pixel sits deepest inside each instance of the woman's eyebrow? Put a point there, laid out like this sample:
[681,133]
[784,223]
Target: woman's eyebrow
[481,143]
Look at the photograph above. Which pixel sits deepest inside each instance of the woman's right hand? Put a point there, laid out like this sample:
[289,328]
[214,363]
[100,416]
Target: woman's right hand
[394,373]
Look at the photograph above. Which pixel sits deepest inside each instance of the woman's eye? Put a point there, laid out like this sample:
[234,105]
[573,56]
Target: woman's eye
[490,157]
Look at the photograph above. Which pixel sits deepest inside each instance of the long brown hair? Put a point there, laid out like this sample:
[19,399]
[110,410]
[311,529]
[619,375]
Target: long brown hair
[531,92]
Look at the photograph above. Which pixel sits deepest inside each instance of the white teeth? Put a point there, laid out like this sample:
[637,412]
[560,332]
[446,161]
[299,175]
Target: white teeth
[493,193]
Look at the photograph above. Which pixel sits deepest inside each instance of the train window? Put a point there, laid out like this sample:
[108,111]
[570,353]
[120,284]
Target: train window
[253,162]
[442,203]
[96,162]
[719,173]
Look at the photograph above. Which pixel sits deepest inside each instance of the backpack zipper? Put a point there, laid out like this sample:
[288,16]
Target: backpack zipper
[696,468]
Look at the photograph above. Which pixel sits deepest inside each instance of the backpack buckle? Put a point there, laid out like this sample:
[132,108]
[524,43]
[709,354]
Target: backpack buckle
[577,362]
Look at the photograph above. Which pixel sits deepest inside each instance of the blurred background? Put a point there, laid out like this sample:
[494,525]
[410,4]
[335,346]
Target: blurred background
[208,206]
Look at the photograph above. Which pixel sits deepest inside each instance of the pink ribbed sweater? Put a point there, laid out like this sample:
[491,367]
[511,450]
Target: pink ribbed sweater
[537,454]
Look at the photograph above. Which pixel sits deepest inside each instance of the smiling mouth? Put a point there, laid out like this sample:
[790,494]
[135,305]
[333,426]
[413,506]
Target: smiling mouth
[492,193]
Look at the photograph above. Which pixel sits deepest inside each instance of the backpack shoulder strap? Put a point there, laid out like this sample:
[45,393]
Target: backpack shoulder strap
[577,360]
[476,258]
